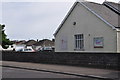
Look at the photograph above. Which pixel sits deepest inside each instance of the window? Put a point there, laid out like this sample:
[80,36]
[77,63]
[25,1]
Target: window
[79,42]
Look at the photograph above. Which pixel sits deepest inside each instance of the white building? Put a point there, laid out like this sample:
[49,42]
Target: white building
[1,48]
[8,49]
[89,27]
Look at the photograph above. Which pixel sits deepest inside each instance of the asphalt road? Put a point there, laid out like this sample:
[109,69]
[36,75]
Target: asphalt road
[23,73]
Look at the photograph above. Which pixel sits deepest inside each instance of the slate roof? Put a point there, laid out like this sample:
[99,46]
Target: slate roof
[30,42]
[115,5]
[19,42]
[44,42]
[108,11]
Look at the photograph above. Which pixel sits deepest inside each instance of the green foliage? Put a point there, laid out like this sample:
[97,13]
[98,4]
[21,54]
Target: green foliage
[3,37]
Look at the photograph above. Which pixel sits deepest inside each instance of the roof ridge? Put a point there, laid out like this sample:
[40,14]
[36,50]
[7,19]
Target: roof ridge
[112,7]
[112,2]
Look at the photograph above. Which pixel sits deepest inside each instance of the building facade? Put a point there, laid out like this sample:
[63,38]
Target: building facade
[87,29]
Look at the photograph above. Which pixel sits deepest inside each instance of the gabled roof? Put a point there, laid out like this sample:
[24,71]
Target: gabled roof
[103,10]
[30,42]
[107,12]
[19,42]
[65,18]
[45,42]
[114,6]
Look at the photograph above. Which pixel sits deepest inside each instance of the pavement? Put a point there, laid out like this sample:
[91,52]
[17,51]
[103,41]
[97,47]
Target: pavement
[63,69]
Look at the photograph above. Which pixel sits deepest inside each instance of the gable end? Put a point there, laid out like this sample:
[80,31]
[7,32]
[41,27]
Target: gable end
[65,18]
[98,16]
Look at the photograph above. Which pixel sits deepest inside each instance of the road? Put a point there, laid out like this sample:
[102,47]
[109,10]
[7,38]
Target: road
[23,73]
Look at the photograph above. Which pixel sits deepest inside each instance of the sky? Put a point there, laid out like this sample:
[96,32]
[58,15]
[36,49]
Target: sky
[34,19]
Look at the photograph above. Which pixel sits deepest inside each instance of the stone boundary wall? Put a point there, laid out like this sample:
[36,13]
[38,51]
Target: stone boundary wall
[96,60]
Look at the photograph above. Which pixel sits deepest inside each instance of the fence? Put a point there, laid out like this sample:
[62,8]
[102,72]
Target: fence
[96,60]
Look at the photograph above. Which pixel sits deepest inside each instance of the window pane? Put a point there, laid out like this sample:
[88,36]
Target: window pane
[79,41]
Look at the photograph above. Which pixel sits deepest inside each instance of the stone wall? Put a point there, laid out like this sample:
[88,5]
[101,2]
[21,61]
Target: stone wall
[96,60]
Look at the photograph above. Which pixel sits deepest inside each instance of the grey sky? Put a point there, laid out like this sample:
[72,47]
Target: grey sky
[33,20]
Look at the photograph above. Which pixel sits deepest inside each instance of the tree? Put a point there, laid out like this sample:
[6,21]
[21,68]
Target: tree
[3,38]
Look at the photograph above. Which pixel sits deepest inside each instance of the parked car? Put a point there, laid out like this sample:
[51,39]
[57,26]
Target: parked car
[26,50]
[49,49]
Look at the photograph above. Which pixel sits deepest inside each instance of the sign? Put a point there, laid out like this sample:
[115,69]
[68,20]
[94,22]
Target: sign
[98,42]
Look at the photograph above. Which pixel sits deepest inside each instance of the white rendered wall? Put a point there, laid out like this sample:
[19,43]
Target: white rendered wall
[89,25]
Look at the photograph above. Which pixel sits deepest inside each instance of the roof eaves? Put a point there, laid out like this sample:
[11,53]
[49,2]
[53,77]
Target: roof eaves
[65,18]
[118,29]
[98,16]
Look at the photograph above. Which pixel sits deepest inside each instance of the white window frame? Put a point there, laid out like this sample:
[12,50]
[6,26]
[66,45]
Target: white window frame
[79,41]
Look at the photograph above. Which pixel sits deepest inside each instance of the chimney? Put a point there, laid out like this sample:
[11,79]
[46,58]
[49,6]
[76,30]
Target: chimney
[37,40]
[53,40]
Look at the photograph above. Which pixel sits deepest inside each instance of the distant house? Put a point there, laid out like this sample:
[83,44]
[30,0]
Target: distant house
[89,27]
[44,43]
[17,45]
[29,44]
[10,48]
[1,48]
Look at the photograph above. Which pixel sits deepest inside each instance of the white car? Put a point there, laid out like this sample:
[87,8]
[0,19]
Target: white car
[46,49]
[26,50]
